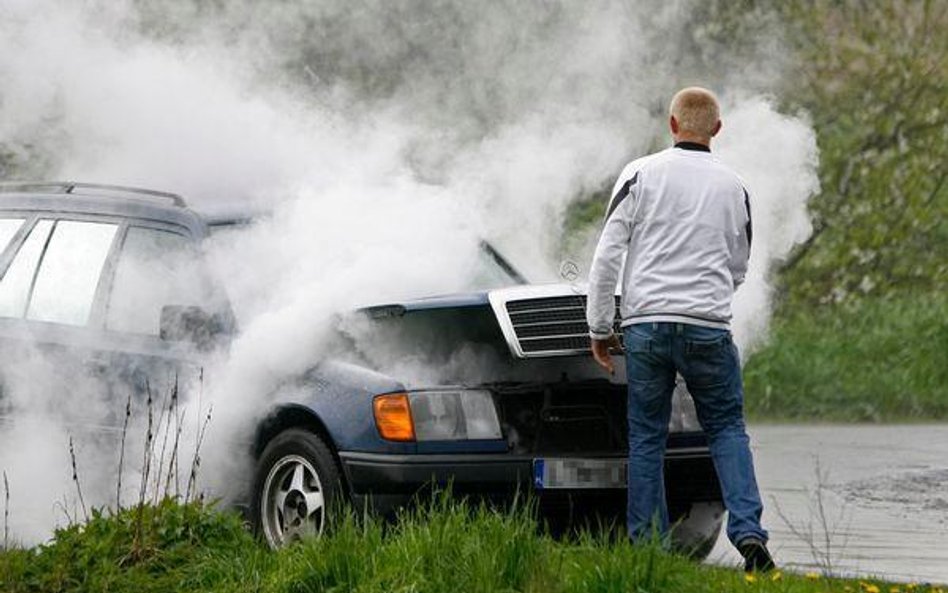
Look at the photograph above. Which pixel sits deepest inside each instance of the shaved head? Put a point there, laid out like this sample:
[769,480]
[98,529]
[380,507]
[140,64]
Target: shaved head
[696,111]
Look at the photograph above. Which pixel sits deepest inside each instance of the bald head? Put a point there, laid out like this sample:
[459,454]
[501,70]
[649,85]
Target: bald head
[695,115]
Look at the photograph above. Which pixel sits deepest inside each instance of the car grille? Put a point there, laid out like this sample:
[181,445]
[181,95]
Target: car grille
[553,325]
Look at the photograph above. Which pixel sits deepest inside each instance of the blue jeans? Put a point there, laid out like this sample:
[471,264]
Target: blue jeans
[707,359]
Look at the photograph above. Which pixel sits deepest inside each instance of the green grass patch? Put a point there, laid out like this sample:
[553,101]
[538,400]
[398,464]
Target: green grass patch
[872,360]
[148,548]
[445,547]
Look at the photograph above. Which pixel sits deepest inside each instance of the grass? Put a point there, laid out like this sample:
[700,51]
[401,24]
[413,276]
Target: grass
[446,546]
[875,360]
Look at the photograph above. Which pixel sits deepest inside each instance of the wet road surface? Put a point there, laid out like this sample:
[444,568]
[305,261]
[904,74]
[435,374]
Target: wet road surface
[884,495]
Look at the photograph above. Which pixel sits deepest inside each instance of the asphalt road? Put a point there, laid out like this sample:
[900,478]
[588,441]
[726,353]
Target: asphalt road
[884,497]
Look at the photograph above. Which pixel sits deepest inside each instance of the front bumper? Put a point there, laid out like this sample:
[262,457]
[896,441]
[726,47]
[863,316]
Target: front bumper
[387,481]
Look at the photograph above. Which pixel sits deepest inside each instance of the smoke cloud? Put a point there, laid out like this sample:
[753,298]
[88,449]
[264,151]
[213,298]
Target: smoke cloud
[383,140]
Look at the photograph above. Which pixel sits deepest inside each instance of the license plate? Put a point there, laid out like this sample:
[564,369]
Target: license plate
[553,474]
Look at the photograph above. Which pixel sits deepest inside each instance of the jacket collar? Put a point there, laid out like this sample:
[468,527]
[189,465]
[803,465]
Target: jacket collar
[692,146]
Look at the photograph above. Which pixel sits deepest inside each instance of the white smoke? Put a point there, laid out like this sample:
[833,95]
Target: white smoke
[777,157]
[385,139]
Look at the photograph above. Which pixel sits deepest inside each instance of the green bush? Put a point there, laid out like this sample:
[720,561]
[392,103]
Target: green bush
[869,360]
[874,78]
[141,549]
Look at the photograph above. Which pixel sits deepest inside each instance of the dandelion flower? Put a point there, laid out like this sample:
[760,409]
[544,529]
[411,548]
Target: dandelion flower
[750,578]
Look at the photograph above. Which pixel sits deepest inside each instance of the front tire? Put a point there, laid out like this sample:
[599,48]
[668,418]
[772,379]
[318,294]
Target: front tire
[296,484]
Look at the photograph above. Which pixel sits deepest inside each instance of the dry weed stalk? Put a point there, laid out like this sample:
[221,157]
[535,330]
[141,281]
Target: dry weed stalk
[164,426]
[821,539]
[196,461]
[148,453]
[61,505]
[118,486]
[75,479]
[161,477]
[6,511]
[161,463]
[174,462]
[146,470]
[201,431]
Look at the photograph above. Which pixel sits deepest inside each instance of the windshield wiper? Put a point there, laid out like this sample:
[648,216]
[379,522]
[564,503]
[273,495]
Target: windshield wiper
[502,262]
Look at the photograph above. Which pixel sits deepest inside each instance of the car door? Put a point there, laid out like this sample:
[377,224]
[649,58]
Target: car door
[80,310]
[157,273]
[50,274]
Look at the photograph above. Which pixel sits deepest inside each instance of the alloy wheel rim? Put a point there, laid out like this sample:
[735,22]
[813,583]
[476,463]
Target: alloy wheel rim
[293,504]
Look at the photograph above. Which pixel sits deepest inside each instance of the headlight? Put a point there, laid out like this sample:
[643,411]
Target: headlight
[461,414]
[454,415]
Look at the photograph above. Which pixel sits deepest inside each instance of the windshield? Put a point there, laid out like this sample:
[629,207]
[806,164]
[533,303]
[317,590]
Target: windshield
[492,270]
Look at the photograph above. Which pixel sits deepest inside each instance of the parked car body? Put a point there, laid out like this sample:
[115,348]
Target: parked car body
[516,405]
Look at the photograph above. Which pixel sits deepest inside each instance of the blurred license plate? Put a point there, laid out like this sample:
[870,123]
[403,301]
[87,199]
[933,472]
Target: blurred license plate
[579,473]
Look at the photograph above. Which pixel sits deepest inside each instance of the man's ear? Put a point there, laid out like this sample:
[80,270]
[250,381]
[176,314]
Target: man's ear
[673,124]
[717,128]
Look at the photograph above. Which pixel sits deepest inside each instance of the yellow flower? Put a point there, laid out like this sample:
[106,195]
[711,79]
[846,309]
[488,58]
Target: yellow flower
[812,575]
[776,576]
[894,590]
[750,578]
[872,589]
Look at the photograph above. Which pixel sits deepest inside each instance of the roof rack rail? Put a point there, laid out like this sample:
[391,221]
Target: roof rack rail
[101,190]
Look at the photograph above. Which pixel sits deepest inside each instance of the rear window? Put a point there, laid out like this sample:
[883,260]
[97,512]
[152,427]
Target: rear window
[16,282]
[66,283]
[8,228]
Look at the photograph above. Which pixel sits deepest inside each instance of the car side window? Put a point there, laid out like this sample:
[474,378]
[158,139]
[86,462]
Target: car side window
[8,228]
[155,268]
[16,282]
[65,286]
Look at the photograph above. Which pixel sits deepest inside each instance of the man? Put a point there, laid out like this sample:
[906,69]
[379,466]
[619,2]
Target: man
[680,221]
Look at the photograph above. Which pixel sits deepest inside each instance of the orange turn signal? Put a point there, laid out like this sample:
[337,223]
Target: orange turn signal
[393,417]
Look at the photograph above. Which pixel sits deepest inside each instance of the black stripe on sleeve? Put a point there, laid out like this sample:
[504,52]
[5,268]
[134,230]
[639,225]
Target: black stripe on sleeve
[749,228]
[622,194]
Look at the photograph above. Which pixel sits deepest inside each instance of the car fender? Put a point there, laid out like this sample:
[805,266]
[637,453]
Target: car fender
[334,399]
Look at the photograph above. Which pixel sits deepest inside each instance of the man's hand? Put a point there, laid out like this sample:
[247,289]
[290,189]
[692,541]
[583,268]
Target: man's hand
[600,352]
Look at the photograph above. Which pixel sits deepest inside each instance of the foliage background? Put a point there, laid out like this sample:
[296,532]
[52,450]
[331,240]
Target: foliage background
[862,331]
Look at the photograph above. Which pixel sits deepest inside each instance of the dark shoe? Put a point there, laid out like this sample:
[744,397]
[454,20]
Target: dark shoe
[756,556]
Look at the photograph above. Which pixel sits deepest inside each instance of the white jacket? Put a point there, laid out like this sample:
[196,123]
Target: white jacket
[680,220]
